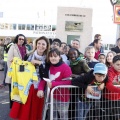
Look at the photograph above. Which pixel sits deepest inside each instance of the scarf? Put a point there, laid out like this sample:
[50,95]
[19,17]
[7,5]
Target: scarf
[22,51]
[75,62]
[35,56]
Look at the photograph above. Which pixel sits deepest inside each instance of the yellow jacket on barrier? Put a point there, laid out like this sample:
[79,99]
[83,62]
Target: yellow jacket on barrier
[22,73]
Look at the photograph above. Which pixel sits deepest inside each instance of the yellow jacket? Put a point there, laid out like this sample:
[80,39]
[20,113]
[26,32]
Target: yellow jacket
[22,74]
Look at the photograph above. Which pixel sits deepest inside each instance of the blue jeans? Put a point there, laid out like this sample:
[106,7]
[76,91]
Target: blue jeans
[82,110]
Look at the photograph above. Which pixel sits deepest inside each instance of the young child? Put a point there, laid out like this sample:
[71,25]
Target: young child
[56,44]
[112,93]
[79,67]
[58,70]
[109,58]
[89,54]
[101,58]
[77,62]
[97,77]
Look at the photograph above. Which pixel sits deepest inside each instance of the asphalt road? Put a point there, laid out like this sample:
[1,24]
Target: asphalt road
[4,101]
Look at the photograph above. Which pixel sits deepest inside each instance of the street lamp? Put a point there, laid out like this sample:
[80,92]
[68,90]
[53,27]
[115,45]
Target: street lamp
[113,2]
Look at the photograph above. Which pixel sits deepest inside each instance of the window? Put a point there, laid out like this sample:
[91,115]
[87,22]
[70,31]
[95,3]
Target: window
[21,26]
[14,26]
[30,27]
[39,27]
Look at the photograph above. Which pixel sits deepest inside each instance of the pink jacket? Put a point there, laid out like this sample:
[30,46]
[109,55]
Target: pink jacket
[56,74]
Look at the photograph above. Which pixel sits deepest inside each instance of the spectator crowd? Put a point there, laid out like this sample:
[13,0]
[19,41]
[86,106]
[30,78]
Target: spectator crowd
[26,64]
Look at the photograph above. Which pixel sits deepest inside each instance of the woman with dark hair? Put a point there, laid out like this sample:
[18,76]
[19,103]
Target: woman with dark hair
[18,37]
[18,49]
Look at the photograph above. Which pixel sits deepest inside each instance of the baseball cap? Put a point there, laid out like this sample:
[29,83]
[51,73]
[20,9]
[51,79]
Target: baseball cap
[100,68]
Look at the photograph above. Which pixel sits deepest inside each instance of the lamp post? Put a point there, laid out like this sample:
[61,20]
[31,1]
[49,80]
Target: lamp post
[113,2]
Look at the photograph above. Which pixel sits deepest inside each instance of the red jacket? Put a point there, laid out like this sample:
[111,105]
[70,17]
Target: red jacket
[112,92]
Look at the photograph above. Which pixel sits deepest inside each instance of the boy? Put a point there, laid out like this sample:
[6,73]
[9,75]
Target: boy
[97,77]
[102,58]
[63,44]
[112,93]
[89,54]
[56,44]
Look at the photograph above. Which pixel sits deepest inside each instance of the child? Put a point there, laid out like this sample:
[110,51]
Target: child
[77,62]
[56,44]
[97,76]
[112,93]
[58,70]
[109,58]
[63,44]
[89,54]
[101,58]
[78,66]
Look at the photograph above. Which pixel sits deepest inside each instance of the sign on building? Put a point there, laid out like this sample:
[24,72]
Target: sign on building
[117,14]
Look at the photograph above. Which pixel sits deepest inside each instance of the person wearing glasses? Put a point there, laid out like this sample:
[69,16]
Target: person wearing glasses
[19,50]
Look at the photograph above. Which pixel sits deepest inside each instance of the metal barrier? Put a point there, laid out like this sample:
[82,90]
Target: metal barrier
[77,104]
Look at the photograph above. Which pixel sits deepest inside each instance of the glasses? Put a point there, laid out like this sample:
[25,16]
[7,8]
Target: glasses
[21,39]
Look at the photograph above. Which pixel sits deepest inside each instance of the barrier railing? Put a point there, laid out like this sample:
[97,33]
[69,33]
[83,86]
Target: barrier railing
[68,102]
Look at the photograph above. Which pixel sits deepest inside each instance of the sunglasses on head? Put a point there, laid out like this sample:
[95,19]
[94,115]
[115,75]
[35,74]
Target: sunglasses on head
[21,39]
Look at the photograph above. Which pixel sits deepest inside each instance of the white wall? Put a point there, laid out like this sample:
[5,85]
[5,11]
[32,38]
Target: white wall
[85,35]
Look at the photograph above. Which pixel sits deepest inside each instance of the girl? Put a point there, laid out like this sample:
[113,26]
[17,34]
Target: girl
[79,67]
[32,109]
[58,70]
[109,58]
[101,58]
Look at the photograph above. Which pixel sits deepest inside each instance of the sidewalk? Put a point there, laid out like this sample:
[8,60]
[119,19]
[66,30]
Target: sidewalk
[4,100]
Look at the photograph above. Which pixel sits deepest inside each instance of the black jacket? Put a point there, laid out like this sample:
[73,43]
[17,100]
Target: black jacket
[85,80]
[82,82]
[116,49]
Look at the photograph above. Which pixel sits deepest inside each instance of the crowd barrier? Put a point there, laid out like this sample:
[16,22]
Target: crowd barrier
[77,104]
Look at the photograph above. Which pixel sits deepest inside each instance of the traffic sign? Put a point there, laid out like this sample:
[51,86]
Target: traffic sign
[117,14]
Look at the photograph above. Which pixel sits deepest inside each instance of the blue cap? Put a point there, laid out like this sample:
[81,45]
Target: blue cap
[100,68]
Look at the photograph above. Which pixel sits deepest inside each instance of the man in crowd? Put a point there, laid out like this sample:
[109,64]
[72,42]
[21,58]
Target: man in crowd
[117,48]
[75,44]
[97,45]
[98,36]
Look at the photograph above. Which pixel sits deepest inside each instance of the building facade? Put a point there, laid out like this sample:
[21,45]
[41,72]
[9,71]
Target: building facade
[73,23]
